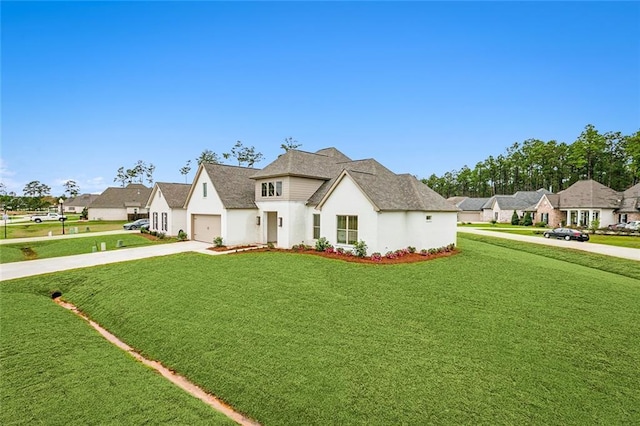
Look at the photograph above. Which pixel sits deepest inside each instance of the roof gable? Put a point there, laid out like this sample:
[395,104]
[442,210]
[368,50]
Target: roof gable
[385,189]
[233,184]
[81,200]
[175,194]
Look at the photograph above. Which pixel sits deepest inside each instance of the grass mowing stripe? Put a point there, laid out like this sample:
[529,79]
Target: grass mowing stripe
[492,335]
[625,267]
[56,370]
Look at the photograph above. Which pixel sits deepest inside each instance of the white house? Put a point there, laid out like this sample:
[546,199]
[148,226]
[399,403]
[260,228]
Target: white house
[302,196]
[166,207]
[220,203]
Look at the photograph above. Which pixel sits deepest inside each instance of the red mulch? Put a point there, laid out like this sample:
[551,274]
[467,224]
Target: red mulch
[225,248]
[407,258]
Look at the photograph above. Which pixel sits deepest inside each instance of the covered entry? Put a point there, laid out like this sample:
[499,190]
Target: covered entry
[205,227]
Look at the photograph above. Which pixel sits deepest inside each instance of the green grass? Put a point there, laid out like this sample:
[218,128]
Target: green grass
[32,229]
[612,240]
[69,246]
[57,370]
[495,334]
[625,267]
[497,225]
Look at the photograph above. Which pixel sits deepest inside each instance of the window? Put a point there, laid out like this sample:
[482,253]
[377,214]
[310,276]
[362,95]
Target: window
[347,229]
[155,220]
[429,218]
[316,226]
[271,189]
[622,218]
[204,189]
[165,226]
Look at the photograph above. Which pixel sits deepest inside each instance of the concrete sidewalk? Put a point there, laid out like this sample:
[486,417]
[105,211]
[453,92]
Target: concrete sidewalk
[623,252]
[28,268]
[66,236]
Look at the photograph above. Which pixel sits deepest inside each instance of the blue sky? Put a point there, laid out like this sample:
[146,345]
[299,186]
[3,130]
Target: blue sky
[423,87]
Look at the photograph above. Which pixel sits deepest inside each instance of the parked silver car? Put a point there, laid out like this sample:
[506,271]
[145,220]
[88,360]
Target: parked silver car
[633,225]
[136,225]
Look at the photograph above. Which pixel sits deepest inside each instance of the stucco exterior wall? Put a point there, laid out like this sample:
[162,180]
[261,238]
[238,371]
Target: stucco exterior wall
[198,203]
[239,226]
[294,222]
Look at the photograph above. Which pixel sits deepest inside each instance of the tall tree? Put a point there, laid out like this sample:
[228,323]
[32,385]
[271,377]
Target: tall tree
[290,143]
[244,155]
[185,170]
[208,156]
[138,173]
[71,188]
[123,177]
[36,189]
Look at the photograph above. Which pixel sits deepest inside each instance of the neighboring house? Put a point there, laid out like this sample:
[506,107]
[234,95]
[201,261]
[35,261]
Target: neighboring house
[580,204]
[302,196]
[630,207]
[79,203]
[470,208]
[127,203]
[166,207]
[500,207]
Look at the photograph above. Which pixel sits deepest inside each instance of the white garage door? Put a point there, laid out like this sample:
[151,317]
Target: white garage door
[205,227]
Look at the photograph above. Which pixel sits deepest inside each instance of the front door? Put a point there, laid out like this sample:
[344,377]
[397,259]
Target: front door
[272,227]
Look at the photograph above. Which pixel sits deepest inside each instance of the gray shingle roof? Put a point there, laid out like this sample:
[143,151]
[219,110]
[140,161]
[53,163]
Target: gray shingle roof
[81,200]
[589,194]
[233,184]
[631,201]
[472,204]
[134,195]
[521,200]
[387,190]
[324,164]
[175,194]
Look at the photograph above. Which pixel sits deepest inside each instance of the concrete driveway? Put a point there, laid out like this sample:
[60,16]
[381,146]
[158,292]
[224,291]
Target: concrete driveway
[623,252]
[9,271]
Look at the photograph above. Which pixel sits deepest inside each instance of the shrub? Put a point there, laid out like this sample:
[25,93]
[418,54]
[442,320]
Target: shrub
[451,246]
[144,231]
[390,255]
[217,241]
[411,249]
[360,249]
[527,221]
[515,220]
[340,250]
[493,222]
[433,251]
[322,244]
[595,224]
[540,224]
[85,214]
[424,252]
[270,245]
[160,235]
[329,249]
[376,257]
[182,235]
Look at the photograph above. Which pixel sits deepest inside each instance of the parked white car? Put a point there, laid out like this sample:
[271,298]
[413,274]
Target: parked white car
[633,225]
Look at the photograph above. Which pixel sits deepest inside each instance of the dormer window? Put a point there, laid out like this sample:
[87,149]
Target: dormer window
[271,189]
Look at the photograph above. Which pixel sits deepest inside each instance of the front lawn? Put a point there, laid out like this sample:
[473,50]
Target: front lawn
[491,335]
[56,370]
[69,246]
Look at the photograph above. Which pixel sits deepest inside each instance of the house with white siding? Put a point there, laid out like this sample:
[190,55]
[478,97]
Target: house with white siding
[166,208]
[128,203]
[303,196]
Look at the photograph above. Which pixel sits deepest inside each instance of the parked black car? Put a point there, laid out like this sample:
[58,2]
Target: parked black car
[567,234]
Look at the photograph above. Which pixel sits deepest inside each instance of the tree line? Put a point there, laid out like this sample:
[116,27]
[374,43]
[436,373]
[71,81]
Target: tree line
[610,158]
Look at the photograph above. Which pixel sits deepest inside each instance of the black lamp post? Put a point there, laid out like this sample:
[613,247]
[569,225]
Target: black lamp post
[61,201]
